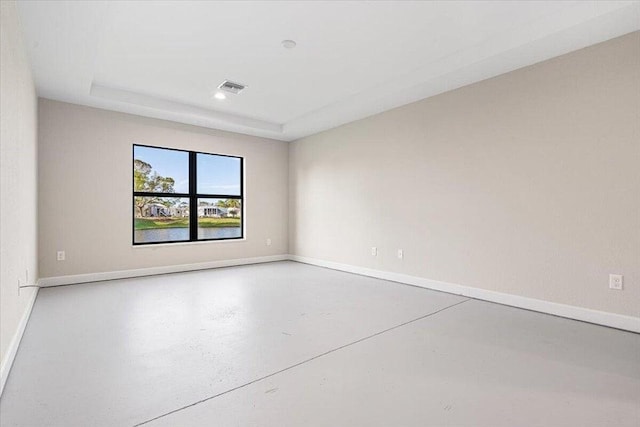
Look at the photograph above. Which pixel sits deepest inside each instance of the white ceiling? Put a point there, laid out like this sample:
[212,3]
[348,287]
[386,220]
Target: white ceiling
[353,59]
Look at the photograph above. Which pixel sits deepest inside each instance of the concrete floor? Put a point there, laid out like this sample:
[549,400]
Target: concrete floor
[287,344]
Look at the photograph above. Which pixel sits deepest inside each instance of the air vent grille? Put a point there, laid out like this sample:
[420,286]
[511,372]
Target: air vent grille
[231,87]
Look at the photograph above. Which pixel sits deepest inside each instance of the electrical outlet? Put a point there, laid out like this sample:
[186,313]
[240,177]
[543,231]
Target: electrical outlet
[615,281]
[374,251]
[400,254]
[268,242]
[61,256]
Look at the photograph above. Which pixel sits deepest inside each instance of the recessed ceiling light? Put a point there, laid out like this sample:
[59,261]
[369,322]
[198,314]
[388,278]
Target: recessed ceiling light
[220,95]
[288,44]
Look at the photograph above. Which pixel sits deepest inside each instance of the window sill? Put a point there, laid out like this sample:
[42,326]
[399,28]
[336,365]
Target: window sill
[204,242]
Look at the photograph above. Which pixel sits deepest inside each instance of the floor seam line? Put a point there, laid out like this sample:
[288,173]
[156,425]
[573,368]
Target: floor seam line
[302,362]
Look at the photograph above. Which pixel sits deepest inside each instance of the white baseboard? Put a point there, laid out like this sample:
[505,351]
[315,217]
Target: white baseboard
[12,350]
[618,321]
[151,271]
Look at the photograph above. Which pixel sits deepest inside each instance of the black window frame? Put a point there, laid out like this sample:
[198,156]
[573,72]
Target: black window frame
[192,195]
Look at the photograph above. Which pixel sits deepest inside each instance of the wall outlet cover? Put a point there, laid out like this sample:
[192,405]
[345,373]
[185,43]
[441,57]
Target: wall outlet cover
[616,281]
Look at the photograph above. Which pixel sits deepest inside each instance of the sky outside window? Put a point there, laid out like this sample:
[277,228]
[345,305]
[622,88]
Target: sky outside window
[218,174]
[167,163]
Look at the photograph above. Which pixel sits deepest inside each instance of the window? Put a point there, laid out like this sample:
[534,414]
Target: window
[185,196]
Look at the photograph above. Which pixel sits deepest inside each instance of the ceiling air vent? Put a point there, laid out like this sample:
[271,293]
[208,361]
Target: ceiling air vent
[231,87]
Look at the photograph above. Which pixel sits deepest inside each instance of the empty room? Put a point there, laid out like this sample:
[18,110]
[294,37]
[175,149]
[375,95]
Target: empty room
[320,213]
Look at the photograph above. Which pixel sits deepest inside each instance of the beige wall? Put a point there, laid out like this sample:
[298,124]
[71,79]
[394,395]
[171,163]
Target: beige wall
[18,260]
[85,190]
[527,183]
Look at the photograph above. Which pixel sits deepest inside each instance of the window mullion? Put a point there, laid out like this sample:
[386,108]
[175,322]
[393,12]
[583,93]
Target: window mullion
[193,198]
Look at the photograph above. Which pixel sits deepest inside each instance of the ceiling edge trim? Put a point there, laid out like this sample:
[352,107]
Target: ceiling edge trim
[177,108]
[385,97]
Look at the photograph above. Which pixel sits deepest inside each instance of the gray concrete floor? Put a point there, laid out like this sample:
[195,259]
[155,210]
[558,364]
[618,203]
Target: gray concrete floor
[287,344]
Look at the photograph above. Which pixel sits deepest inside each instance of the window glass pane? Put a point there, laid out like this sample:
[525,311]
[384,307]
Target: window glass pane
[161,219]
[219,218]
[218,175]
[160,170]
